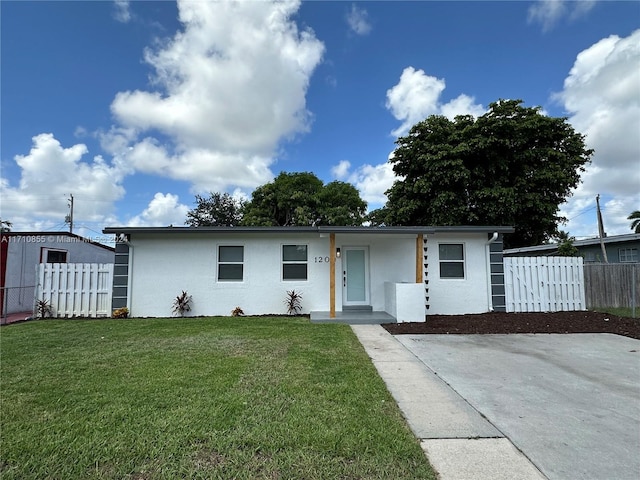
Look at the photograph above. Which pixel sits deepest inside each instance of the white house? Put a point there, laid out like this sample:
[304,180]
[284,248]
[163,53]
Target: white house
[20,252]
[407,272]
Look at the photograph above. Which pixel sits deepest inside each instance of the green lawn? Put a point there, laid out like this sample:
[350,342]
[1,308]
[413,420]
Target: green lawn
[197,398]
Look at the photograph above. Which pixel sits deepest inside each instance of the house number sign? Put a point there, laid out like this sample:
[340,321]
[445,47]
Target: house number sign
[321,259]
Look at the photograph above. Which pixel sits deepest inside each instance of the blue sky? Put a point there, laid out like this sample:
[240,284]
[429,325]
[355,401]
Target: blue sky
[135,107]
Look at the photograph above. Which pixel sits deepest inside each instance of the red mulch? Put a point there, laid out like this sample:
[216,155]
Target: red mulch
[533,322]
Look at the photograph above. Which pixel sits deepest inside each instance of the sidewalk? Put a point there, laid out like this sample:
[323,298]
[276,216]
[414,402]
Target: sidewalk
[458,441]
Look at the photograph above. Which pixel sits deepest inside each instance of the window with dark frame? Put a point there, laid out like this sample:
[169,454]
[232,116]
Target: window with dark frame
[451,260]
[230,263]
[56,256]
[294,262]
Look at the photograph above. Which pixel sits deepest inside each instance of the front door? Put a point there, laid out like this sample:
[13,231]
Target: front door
[355,276]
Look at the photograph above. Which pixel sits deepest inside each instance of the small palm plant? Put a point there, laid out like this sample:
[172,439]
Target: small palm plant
[182,304]
[293,302]
[44,309]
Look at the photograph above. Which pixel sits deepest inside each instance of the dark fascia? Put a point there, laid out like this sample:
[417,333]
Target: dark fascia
[322,229]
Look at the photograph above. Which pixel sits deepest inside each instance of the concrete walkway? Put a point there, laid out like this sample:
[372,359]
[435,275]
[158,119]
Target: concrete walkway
[459,442]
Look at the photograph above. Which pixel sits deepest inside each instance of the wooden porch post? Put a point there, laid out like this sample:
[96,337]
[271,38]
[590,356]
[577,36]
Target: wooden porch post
[419,258]
[332,275]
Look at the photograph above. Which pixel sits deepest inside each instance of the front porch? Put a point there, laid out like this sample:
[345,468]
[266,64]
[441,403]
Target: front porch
[353,317]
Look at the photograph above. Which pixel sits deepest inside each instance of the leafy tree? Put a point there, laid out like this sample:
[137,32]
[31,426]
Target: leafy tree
[566,248]
[302,199]
[510,166]
[635,224]
[340,204]
[5,226]
[219,209]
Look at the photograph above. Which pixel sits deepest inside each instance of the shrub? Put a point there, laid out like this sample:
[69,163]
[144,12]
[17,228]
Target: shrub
[120,312]
[44,309]
[293,302]
[182,304]
[237,312]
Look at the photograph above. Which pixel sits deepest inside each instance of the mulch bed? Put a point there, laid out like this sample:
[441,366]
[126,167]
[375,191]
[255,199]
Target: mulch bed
[533,322]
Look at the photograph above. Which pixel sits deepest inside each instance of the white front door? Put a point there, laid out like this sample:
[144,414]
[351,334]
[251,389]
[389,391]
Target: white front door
[355,276]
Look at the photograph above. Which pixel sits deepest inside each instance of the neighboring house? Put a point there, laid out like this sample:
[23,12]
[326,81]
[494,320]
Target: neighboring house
[20,252]
[404,271]
[620,249]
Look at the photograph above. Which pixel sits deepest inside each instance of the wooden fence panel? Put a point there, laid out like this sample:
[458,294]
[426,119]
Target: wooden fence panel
[614,285]
[544,284]
[76,289]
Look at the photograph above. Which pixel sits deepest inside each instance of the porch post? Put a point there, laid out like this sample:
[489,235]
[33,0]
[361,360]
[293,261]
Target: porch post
[419,258]
[332,275]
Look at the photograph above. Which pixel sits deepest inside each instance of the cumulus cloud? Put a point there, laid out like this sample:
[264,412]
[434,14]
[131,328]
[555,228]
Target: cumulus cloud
[358,20]
[417,95]
[602,95]
[549,12]
[163,210]
[229,88]
[370,180]
[49,174]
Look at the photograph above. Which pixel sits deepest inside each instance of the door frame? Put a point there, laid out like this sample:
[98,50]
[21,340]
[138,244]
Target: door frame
[344,275]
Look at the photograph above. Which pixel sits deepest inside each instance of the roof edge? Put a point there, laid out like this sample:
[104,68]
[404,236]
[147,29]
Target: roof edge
[417,229]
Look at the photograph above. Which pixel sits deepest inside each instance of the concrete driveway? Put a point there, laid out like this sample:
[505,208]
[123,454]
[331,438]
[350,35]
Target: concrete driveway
[570,403]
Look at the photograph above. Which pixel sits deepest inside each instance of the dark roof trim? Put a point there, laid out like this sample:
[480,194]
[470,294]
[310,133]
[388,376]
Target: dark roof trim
[322,229]
[578,243]
[58,234]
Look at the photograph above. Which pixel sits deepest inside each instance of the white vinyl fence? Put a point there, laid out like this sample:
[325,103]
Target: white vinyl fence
[76,289]
[544,284]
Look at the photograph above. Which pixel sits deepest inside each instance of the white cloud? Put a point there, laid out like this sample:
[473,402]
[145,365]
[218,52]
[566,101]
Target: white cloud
[358,20]
[602,96]
[49,174]
[550,12]
[230,87]
[417,96]
[370,180]
[163,210]
[122,12]
[341,171]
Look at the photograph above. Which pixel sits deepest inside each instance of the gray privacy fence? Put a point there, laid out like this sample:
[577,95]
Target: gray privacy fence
[614,285]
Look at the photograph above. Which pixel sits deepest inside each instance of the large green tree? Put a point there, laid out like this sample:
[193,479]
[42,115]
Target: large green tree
[511,166]
[301,199]
[216,210]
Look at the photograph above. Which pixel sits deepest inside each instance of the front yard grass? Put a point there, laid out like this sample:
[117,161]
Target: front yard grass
[208,398]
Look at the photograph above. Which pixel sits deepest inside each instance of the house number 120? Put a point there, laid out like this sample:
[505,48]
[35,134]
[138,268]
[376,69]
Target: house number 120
[321,259]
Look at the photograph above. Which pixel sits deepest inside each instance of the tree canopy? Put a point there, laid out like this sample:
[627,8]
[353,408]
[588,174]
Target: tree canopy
[301,199]
[511,166]
[635,221]
[217,210]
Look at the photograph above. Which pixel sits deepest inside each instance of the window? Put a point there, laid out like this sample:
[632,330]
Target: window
[56,256]
[230,263]
[589,257]
[294,262]
[626,255]
[451,260]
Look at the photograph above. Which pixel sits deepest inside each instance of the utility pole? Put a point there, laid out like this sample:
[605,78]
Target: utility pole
[601,233]
[69,218]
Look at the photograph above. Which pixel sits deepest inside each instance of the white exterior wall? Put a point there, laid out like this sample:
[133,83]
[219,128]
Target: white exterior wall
[161,267]
[392,258]
[454,296]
